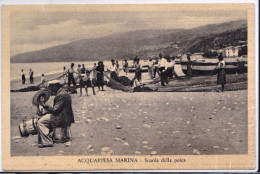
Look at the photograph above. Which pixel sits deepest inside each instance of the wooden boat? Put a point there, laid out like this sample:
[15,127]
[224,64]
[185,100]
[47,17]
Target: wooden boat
[205,66]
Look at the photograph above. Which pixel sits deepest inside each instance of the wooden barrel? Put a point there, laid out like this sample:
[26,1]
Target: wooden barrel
[61,134]
[28,127]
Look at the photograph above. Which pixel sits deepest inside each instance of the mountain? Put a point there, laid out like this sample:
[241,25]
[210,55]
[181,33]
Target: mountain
[143,43]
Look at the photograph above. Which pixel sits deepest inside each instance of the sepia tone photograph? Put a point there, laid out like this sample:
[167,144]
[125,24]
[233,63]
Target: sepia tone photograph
[129,83]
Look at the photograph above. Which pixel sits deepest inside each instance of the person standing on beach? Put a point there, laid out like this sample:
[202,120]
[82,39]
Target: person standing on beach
[31,76]
[86,83]
[65,75]
[117,68]
[71,76]
[155,67]
[125,67]
[221,79]
[61,115]
[162,66]
[100,77]
[94,71]
[83,69]
[189,67]
[138,69]
[23,77]
[150,67]
[113,69]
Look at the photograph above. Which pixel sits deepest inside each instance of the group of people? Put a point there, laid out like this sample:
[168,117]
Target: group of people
[163,66]
[24,78]
[83,76]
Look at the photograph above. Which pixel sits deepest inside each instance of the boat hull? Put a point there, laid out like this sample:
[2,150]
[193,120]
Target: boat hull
[207,67]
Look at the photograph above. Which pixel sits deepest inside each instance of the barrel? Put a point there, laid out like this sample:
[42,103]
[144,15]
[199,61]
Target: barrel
[28,127]
[61,134]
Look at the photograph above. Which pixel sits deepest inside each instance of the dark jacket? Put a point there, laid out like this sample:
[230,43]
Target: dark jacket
[62,114]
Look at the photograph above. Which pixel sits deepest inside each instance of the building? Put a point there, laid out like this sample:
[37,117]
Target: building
[232,51]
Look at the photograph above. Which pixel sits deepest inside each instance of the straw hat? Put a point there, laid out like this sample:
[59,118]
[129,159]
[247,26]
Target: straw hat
[36,97]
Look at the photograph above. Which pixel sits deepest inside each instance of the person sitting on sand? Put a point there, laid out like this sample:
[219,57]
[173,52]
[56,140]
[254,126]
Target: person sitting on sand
[61,115]
[86,83]
[23,77]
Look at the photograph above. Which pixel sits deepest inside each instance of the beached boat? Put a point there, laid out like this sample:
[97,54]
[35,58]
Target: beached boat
[205,66]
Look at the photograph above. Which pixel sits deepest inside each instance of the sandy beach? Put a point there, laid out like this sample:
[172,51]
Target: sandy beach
[118,123]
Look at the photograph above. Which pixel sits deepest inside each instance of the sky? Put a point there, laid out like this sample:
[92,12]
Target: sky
[36,30]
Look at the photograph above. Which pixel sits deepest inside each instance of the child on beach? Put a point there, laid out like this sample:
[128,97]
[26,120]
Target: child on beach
[86,83]
[42,79]
[40,110]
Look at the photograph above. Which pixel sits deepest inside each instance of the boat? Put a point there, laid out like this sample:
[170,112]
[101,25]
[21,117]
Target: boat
[206,66]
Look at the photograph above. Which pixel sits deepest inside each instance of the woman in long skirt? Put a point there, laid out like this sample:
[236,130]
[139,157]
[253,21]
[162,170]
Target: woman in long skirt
[221,79]
[100,77]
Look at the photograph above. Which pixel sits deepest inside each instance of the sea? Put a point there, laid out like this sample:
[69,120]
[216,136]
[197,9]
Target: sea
[49,68]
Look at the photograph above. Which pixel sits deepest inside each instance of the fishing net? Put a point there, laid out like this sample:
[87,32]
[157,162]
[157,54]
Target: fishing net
[117,85]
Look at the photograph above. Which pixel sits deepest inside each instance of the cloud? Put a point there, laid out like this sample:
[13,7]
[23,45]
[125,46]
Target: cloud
[32,30]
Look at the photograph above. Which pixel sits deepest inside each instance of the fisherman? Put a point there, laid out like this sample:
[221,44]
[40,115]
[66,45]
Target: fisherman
[61,115]
[150,67]
[65,75]
[126,67]
[83,69]
[100,77]
[170,67]
[162,66]
[31,76]
[86,83]
[23,77]
[117,68]
[78,77]
[173,71]
[94,71]
[113,69]
[189,67]
[138,69]
[221,79]
[71,75]
[155,67]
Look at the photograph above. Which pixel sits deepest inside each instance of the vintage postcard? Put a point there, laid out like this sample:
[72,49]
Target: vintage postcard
[129,87]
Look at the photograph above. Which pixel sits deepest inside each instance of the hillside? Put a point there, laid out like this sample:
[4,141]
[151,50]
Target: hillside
[143,43]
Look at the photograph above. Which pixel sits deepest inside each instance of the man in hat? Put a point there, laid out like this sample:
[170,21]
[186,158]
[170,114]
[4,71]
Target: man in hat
[162,66]
[61,115]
